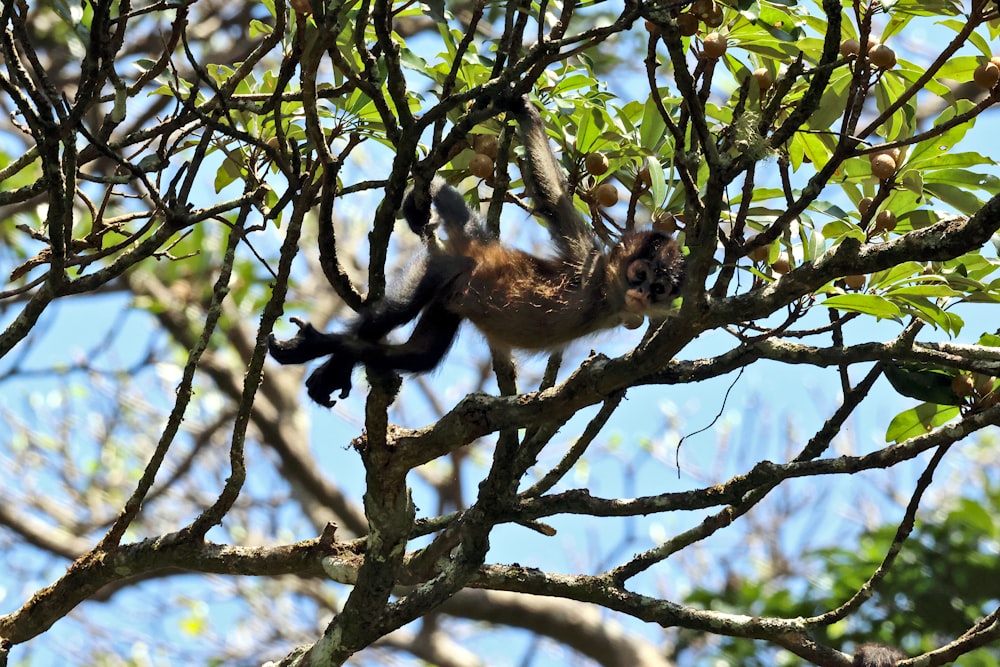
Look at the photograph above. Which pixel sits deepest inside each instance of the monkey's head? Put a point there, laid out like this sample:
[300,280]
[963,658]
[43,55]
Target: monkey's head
[652,270]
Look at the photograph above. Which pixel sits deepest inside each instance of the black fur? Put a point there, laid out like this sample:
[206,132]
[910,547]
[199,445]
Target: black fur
[514,298]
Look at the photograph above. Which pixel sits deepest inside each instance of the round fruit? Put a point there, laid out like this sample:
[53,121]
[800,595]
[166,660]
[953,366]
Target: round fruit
[984,383]
[855,282]
[759,254]
[990,400]
[487,144]
[986,75]
[781,265]
[702,8]
[481,166]
[665,222]
[596,163]
[301,6]
[606,195]
[883,166]
[687,24]
[850,47]
[714,45]
[764,78]
[962,385]
[894,153]
[864,205]
[715,18]
[885,221]
[652,28]
[882,56]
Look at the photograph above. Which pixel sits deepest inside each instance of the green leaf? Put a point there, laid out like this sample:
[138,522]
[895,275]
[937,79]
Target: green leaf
[918,421]
[838,230]
[932,290]
[922,382]
[931,312]
[868,304]
[989,340]
[963,200]
[258,28]
[591,126]
[658,185]
[834,100]
[653,129]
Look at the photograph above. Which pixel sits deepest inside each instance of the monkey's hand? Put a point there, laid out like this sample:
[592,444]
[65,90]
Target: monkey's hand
[306,345]
[332,375]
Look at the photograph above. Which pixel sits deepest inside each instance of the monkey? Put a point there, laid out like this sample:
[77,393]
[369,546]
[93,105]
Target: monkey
[514,298]
[877,655]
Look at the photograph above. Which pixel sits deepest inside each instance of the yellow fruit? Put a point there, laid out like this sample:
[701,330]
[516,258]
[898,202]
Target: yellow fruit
[487,144]
[687,24]
[714,45]
[764,78]
[855,282]
[596,163]
[702,8]
[882,56]
[850,47]
[885,221]
[606,195]
[715,18]
[781,265]
[665,222]
[986,75]
[962,385]
[883,166]
[481,166]
[758,254]
[984,383]
[894,153]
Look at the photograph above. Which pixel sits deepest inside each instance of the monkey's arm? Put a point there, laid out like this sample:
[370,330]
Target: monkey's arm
[308,344]
[547,186]
[431,337]
[429,342]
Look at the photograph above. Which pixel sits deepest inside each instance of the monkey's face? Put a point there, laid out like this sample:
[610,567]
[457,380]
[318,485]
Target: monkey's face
[653,274]
[643,289]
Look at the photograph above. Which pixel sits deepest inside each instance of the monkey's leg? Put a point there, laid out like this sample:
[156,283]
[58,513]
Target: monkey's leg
[430,340]
[306,345]
[428,343]
[437,273]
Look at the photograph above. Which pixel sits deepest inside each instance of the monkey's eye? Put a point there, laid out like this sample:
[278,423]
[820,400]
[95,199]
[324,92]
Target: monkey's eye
[637,272]
[657,289]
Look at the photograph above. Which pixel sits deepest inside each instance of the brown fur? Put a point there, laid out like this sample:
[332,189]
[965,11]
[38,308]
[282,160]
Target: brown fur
[514,298]
[519,300]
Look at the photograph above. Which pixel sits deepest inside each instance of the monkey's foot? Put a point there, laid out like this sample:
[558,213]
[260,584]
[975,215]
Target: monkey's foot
[306,345]
[332,375]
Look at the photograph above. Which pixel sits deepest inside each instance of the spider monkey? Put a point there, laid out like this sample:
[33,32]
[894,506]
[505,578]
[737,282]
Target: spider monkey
[877,655]
[517,300]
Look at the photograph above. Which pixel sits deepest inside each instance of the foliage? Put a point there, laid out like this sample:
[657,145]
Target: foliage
[190,171]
